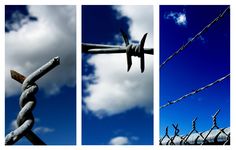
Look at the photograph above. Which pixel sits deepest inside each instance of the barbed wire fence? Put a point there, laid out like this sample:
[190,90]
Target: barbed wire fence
[215,135]
[25,118]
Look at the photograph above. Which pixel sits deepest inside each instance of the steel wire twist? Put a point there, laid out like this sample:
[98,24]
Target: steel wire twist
[25,118]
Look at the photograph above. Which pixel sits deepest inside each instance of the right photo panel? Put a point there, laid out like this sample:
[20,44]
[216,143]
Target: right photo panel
[194,75]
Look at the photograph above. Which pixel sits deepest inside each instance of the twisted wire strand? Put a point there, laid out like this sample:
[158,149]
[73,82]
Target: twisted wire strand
[195,91]
[221,131]
[221,15]
[25,118]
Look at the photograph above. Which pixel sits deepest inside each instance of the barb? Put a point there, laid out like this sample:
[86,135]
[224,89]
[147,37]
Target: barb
[194,92]
[134,50]
[176,134]
[25,118]
[165,136]
[221,131]
[130,49]
[185,141]
[218,136]
[221,15]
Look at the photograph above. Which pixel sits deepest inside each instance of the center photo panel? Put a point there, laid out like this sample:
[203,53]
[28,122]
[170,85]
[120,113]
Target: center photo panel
[117,75]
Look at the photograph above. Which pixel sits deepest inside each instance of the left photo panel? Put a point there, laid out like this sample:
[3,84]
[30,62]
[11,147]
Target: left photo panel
[40,75]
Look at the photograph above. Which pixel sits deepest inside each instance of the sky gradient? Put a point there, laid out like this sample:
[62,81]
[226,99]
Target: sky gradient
[34,35]
[117,105]
[202,62]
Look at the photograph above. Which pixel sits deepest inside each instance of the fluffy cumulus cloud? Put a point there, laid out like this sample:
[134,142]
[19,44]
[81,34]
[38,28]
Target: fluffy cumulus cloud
[116,90]
[141,21]
[120,140]
[13,125]
[17,21]
[34,43]
[178,17]
[38,130]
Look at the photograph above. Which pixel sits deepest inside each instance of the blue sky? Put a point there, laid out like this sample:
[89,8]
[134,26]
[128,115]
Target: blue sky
[204,61]
[117,106]
[34,35]
[120,111]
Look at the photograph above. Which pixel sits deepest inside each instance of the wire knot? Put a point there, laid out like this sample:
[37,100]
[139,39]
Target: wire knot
[25,118]
[134,50]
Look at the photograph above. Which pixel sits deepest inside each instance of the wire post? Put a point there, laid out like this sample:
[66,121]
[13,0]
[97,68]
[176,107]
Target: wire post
[25,118]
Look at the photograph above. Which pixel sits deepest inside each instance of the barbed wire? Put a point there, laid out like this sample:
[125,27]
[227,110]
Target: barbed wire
[218,136]
[195,91]
[215,135]
[25,118]
[221,15]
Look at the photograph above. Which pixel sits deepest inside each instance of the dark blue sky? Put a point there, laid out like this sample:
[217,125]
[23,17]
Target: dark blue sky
[55,115]
[204,61]
[55,112]
[13,9]
[99,25]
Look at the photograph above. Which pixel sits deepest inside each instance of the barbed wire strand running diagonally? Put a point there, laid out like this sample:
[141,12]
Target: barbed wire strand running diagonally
[194,92]
[221,15]
[215,135]
[25,118]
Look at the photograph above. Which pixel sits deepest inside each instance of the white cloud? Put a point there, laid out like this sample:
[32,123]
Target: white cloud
[134,138]
[35,43]
[19,21]
[202,39]
[43,130]
[178,17]
[13,125]
[141,21]
[120,140]
[116,90]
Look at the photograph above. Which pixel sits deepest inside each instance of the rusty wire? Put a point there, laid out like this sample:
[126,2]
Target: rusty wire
[195,91]
[221,15]
[218,136]
[25,118]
